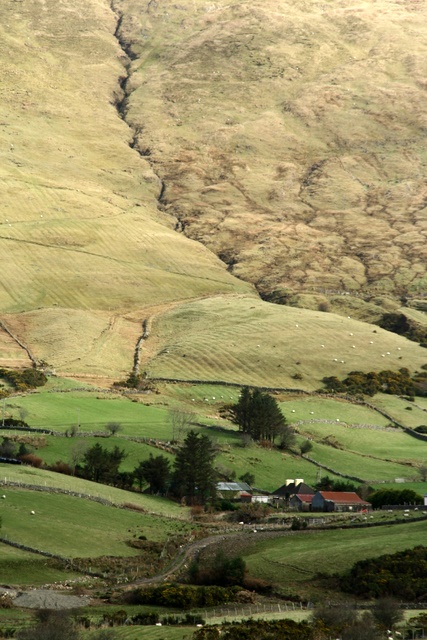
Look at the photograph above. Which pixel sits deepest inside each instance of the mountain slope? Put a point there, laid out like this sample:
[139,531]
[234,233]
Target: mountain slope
[290,136]
[106,157]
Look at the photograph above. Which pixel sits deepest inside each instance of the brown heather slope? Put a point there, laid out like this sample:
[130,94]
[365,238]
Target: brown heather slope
[291,136]
[86,255]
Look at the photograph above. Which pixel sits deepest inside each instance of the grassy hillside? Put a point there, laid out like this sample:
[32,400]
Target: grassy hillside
[294,562]
[84,248]
[257,343]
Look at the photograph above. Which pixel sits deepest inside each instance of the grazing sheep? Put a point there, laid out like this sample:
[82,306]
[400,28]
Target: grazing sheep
[33,513]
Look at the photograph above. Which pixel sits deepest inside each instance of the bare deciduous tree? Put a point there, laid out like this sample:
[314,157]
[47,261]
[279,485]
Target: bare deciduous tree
[113,427]
[181,421]
[76,453]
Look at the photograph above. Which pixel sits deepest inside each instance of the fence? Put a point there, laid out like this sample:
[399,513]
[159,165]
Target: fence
[252,610]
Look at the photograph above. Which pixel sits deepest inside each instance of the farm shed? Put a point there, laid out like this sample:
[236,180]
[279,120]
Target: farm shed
[338,501]
[234,490]
[301,501]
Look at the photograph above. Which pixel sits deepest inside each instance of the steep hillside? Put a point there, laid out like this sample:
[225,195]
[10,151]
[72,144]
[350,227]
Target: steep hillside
[83,247]
[123,125]
[290,136]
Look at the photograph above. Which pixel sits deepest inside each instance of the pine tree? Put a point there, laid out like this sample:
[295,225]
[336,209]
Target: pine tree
[258,414]
[194,475]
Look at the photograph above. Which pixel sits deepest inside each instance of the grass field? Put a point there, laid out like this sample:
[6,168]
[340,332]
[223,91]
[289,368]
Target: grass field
[294,561]
[19,567]
[38,477]
[59,411]
[314,408]
[74,527]
[257,343]
[404,412]
[393,444]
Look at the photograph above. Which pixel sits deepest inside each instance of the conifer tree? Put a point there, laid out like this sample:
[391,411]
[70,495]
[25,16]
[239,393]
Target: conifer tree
[194,475]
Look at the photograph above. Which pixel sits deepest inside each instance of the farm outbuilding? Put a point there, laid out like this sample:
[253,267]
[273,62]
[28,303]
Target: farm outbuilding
[338,501]
[234,491]
[301,501]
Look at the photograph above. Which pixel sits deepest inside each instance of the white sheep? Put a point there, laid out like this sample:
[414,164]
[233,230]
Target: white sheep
[33,513]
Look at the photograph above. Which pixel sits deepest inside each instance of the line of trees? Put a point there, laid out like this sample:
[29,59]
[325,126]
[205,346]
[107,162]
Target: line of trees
[192,477]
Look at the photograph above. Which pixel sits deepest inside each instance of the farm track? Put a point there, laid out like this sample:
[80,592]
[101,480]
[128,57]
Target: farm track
[189,552]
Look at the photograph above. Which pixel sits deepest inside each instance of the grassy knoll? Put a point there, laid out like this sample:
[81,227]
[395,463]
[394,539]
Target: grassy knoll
[257,343]
[74,527]
[84,248]
[271,468]
[294,561]
[152,504]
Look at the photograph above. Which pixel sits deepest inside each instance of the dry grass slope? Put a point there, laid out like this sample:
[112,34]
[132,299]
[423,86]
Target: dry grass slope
[83,247]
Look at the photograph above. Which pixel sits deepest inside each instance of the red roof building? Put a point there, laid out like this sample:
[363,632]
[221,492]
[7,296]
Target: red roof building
[301,501]
[338,501]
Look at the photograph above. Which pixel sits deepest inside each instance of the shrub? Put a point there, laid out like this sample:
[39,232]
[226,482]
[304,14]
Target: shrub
[32,460]
[402,575]
[184,596]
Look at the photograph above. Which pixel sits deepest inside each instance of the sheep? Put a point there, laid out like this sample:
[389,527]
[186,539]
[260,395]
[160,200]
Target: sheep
[33,513]
[4,497]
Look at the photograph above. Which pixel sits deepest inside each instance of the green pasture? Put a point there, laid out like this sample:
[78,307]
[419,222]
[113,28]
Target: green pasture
[39,477]
[205,398]
[419,487]
[359,465]
[75,527]
[92,411]
[391,444]
[270,467]
[296,559]
[401,410]
[314,408]
[59,448]
[25,568]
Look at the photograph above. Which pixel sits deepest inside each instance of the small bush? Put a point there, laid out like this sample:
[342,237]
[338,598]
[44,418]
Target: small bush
[32,460]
